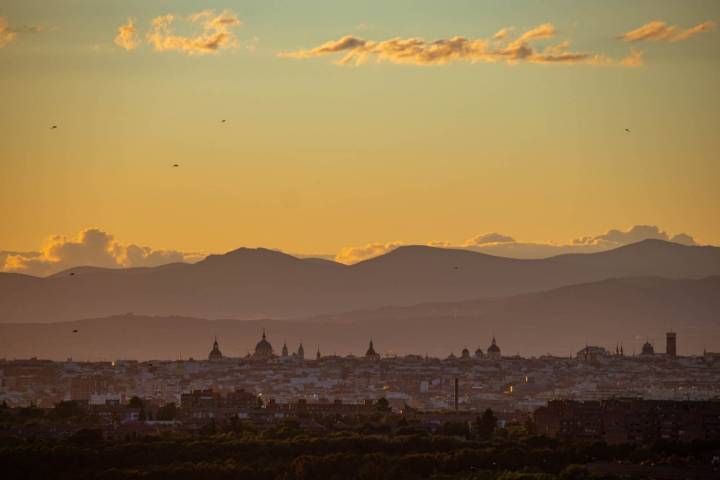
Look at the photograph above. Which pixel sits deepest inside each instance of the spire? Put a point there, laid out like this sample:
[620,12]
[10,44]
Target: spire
[263,334]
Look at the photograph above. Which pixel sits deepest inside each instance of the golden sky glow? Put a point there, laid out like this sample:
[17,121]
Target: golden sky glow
[391,122]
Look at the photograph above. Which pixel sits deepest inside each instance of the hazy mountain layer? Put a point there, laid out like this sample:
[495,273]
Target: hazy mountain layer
[261,283]
[558,321]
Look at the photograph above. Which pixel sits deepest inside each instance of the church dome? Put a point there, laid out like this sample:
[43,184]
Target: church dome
[493,350]
[648,349]
[215,353]
[263,349]
[465,353]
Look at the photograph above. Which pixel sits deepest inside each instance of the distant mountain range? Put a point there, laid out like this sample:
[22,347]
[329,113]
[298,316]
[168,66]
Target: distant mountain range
[260,283]
[558,321]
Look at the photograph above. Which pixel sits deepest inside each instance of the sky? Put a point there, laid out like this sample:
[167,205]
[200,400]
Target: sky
[353,125]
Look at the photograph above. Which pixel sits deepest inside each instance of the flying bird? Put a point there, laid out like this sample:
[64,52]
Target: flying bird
[75,331]
[72,273]
[175,165]
[53,127]
[627,130]
[223,121]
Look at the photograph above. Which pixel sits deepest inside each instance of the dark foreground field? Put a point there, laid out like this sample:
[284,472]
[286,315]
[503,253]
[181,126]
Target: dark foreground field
[287,453]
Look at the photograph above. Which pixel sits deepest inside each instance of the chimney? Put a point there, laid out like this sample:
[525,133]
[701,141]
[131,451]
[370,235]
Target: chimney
[671,344]
[457,391]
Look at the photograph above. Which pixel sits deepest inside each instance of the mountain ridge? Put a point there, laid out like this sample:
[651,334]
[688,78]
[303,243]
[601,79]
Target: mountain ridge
[557,321]
[258,283]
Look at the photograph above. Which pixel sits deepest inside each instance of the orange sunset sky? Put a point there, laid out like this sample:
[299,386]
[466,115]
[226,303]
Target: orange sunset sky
[351,128]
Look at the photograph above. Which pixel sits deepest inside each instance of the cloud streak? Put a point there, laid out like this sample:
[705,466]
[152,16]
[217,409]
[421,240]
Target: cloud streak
[500,48]
[658,31]
[91,247]
[126,37]
[7,36]
[217,33]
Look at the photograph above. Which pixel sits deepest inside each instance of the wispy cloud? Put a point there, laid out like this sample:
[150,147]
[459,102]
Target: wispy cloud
[127,36]
[416,51]
[7,36]
[91,247]
[216,34]
[658,31]
[350,255]
[506,246]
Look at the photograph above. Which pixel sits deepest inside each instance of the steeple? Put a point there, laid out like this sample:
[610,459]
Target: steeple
[284,349]
[371,353]
[317,355]
[301,352]
[215,353]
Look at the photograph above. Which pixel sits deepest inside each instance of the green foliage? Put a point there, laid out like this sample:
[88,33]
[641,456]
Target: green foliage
[486,424]
[233,450]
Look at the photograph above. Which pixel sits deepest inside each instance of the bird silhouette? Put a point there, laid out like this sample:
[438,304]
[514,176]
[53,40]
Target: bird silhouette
[72,273]
[175,165]
[627,130]
[53,127]
[75,331]
[223,121]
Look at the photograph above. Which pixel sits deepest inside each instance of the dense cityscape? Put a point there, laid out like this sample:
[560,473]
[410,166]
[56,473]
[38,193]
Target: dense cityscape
[512,385]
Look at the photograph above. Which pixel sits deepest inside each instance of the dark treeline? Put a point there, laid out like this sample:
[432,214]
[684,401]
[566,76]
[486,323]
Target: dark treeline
[339,456]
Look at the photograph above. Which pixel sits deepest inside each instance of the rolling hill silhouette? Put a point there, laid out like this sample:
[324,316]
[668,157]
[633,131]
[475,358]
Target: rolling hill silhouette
[558,321]
[260,283]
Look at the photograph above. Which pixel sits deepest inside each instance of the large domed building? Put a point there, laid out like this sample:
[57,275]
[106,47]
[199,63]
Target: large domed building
[263,349]
[215,354]
[648,349]
[493,350]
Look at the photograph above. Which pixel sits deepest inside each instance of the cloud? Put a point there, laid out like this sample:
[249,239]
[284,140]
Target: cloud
[91,247]
[634,59]
[506,246]
[546,30]
[416,51]
[127,36]
[615,238]
[489,238]
[7,36]
[217,33]
[502,34]
[658,31]
[350,255]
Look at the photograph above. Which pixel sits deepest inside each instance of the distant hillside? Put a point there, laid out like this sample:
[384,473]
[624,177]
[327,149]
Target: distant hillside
[558,321]
[259,283]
